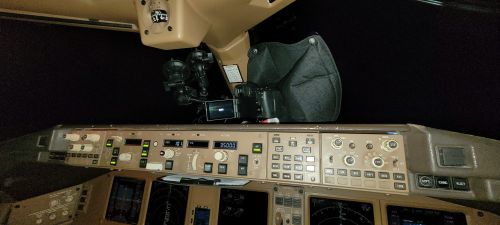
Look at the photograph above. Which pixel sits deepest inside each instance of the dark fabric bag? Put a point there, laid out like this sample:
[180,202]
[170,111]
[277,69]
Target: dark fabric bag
[303,75]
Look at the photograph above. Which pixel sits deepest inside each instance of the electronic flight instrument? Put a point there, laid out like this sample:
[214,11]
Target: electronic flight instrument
[274,174]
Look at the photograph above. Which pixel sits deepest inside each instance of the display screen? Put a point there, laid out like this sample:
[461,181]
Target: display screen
[197,144]
[173,143]
[331,211]
[133,142]
[167,204]
[201,216]
[242,207]
[398,215]
[220,110]
[231,145]
[124,203]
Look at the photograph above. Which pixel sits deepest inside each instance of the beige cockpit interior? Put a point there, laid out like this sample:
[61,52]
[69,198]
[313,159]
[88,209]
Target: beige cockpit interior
[281,174]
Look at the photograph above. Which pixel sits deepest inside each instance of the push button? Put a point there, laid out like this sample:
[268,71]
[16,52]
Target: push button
[383,175]
[355,173]
[278,148]
[169,164]
[242,170]
[460,184]
[328,171]
[222,169]
[275,175]
[442,182]
[399,186]
[114,161]
[243,159]
[257,148]
[207,168]
[287,176]
[369,174]
[287,158]
[276,140]
[298,177]
[115,152]
[297,158]
[292,143]
[297,167]
[287,166]
[342,172]
[143,163]
[306,149]
[398,176]
[276,157]
[425,181]
[275,166]
[109,143]
[310,141]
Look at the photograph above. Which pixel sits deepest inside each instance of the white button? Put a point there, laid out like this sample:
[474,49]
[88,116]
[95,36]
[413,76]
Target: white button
[310,168]
[310,159]
[329,171]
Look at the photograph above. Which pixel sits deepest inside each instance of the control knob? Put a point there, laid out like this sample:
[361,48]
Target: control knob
[168,153]
[71,137]
[220,156]
[378,162]
[91,137]
[390,145]
[337,143]
[349,160]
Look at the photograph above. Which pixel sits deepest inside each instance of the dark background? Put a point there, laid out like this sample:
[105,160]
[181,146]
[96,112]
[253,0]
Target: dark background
[400,62]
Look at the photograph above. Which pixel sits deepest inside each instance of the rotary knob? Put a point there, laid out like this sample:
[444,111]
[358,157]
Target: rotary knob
[349,160]
[378,162]
[337,143]
[168,153]
[91,137]
[220,156]
[390,145]
[71,137]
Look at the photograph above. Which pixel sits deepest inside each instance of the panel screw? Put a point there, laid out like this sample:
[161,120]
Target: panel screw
[255,51]
[143,2]
[169,28]
[480,214]
[275,188]
[146,32]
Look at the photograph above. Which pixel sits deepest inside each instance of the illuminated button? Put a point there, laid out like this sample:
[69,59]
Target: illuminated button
[398,176]
[399,186]
[144,153]
[109,143]
[310,168]
[298,177]
[310,141]
[287,167]
[115,152]
[257,148]
[287,158]
[383,175]
[114,161]
[275,175]
[287,176]
[276,157]
[275,166]
[342,172]
[306,149]
[169,164]
[442,182]
[242,170]
[146,143]
[276,140]
[378,162]
[292,143]
[369,174]
[222,169]
[329,171]
[297,158]
[298,167]
[355,173]
[278,148]
[310,159]
[207,167]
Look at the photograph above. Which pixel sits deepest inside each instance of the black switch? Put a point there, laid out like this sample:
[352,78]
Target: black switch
[116,151]
[207,168]
[109,143]
[114,161]
[460,184]
[222,168]
[143,163]
[242,170]
[442,182]
[243,159]
[425,181]
[169,164]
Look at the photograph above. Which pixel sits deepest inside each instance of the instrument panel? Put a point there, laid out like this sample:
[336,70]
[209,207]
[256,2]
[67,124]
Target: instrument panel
[374,162]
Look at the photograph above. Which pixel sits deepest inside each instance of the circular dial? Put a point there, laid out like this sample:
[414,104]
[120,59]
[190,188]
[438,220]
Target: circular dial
[349,160]
[390,145]
[220,156]
[378,162]
[168,153]
[337,143]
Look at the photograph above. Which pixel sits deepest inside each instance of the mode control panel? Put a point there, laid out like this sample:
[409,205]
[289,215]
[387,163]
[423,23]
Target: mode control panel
[294,157]
[370,161]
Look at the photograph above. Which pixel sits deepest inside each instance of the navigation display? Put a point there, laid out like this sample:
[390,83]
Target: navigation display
[124,203]
[167,204]
[414,216]
[241,207]
[332,211]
